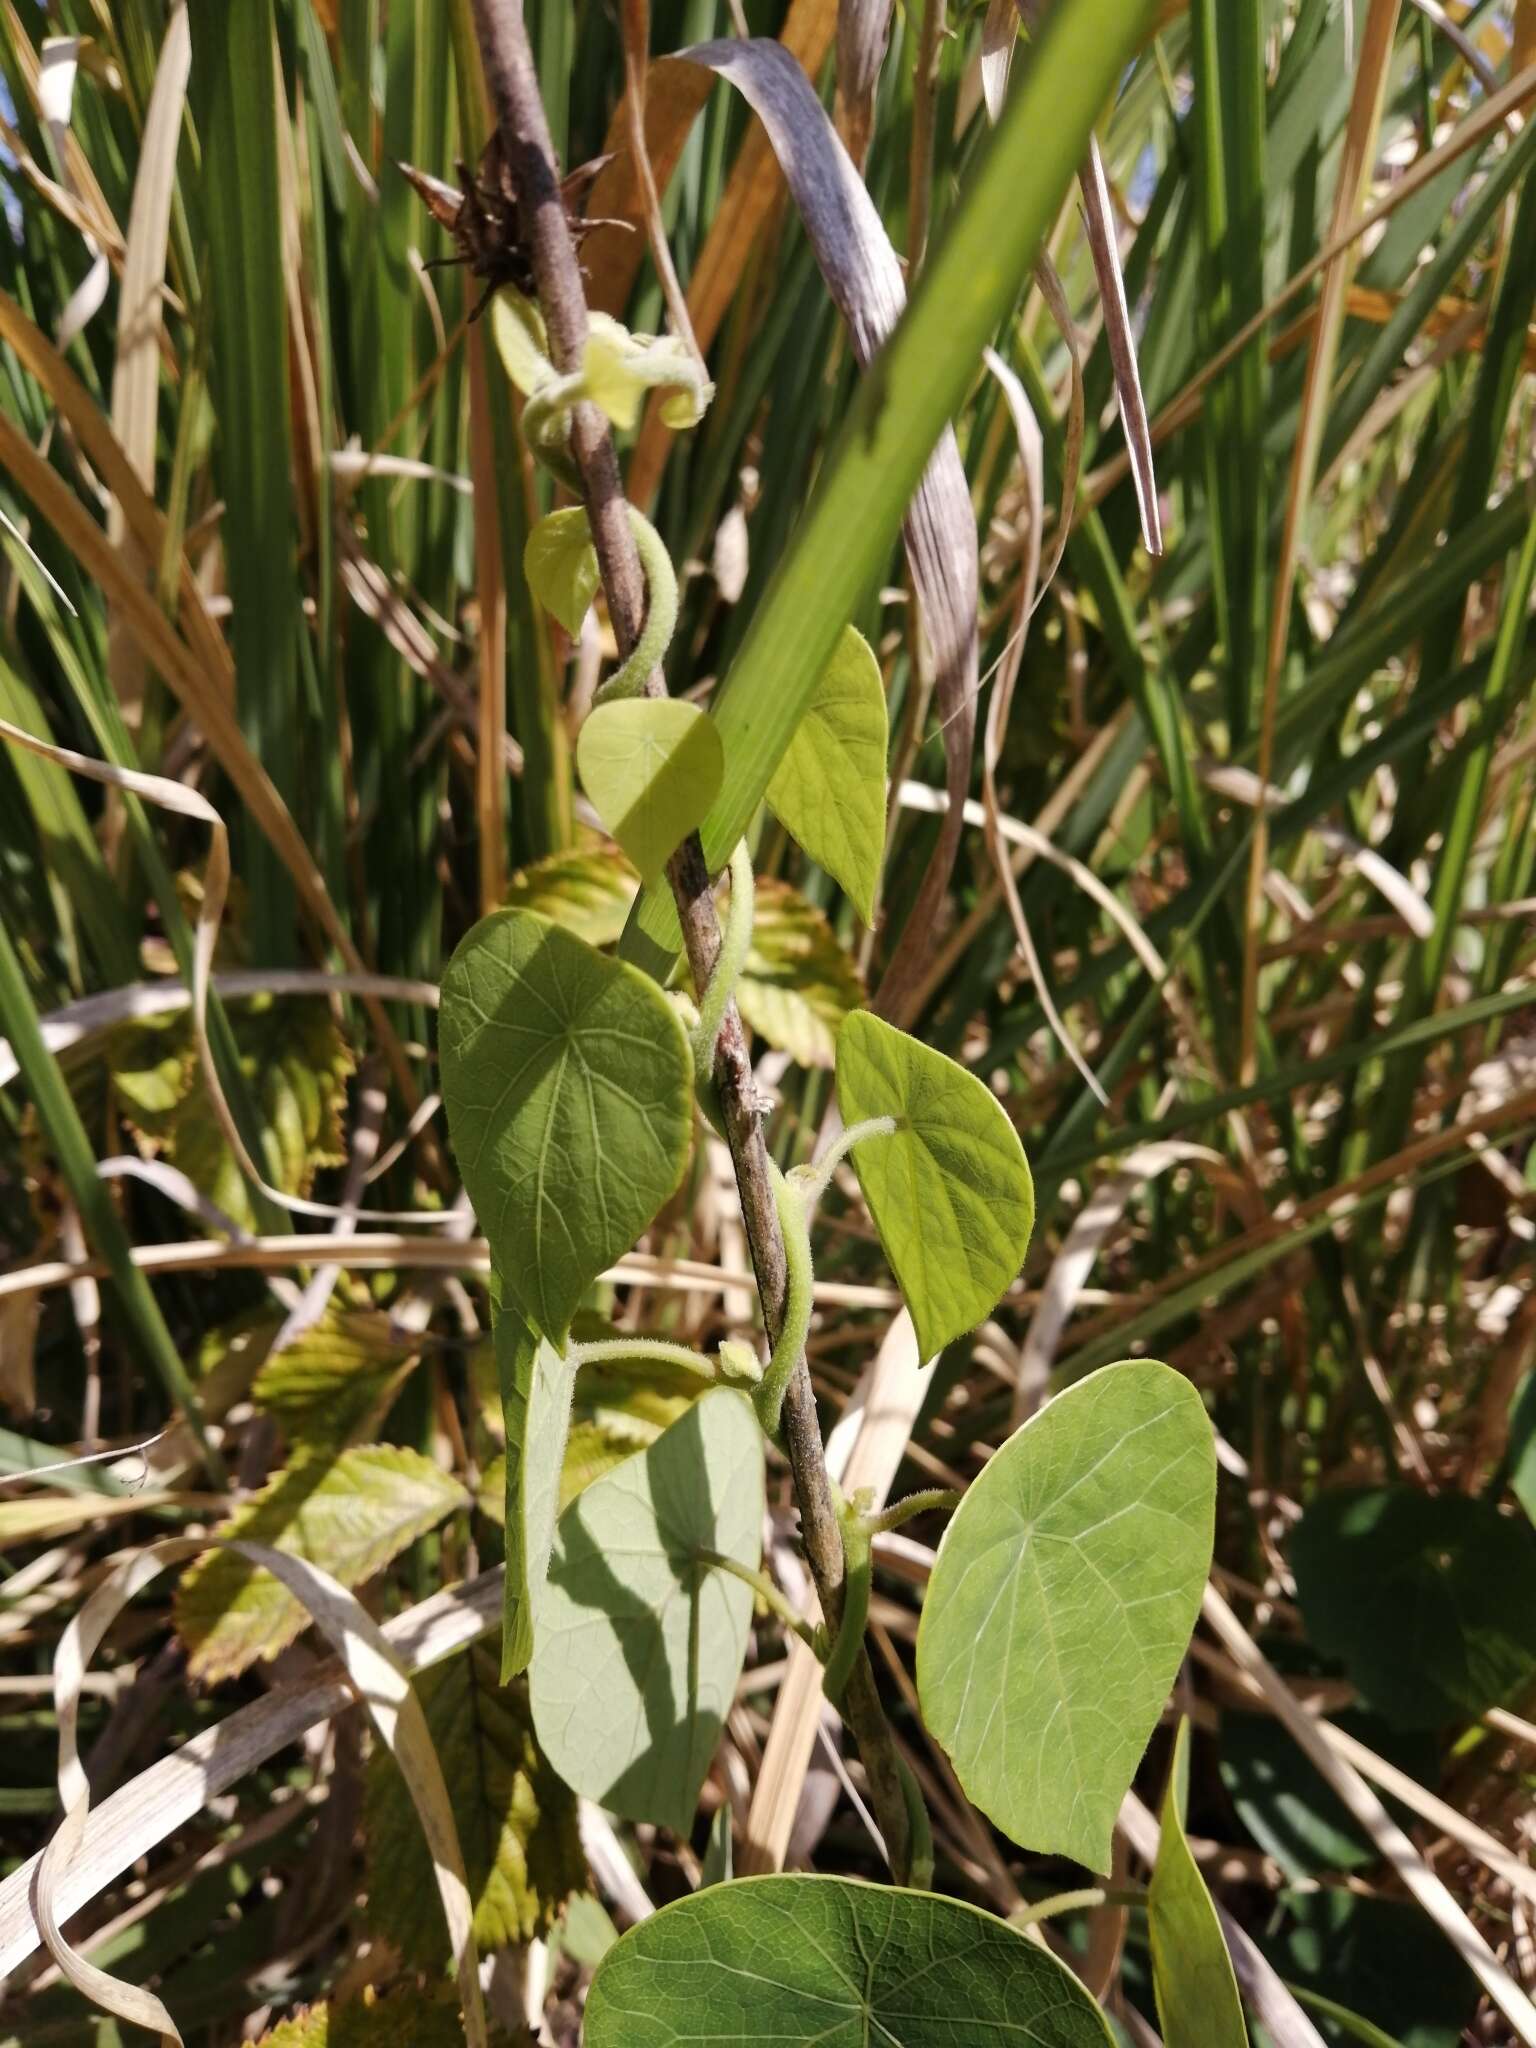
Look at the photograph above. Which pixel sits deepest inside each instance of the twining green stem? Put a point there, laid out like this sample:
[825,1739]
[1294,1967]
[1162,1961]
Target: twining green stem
[935,1500]
[920,1828]
[813,1181]
[629,679]
[1074,1902]
[607,1349]
[855,1615]
[765,1590]
[718,1370]
[798,1277]
[735,943]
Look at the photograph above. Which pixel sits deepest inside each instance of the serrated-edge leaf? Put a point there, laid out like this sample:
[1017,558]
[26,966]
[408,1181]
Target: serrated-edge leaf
[828,792]
[349,1515]
[797,986]
[1061,1604]
[516,1820]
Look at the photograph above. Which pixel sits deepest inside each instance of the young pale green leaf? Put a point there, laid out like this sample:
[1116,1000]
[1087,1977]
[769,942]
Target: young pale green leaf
[1428,1600]
[536,1384]
[516,1820]
[1192,1976]
[828,792]
[619,369]
[517,328]
[834,1961]
[639,1644]
[798,986]
[950,1191]
[652,767]
[349,1515]
[1062,1601]
[560,563]
[569,1089]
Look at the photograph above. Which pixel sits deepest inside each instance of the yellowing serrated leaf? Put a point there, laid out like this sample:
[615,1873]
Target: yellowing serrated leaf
[652,768]
[407,2018]
[333,1382]
[349,1515]
[298,1063]
[828,792]
[589,893]
[560,563]
[798,984]
[516,1821]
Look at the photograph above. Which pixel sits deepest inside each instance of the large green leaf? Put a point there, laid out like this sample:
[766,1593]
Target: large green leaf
[1062,1601]
[515,1819]
[836,1962]
[639,1644]
[829,790]
[589,891]
[1428,1600]
[568,1084]
[536,1383]
[950,1191]
[1379,1959]
[1197,1999]
[349,1515]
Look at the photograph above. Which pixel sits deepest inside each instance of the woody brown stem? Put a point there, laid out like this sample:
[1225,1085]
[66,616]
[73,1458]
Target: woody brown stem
[529,155]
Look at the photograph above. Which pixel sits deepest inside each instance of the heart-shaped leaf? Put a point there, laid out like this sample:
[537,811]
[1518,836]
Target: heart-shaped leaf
[652,767]
[537,1382]
[639,1643]
[837,1962]
[1062,1602]
[828,792]
[1192,1975]
[560,563]
[568,1084]
[1428,1600]
[950,1192]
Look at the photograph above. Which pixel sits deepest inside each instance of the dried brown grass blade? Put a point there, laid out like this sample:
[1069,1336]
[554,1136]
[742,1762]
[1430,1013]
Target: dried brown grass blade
[863,29]
[380,1680]
[163,1799]
[1360,134]
[185,802]
[1103,244]
[864,278]
[136,370]
[752,193]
